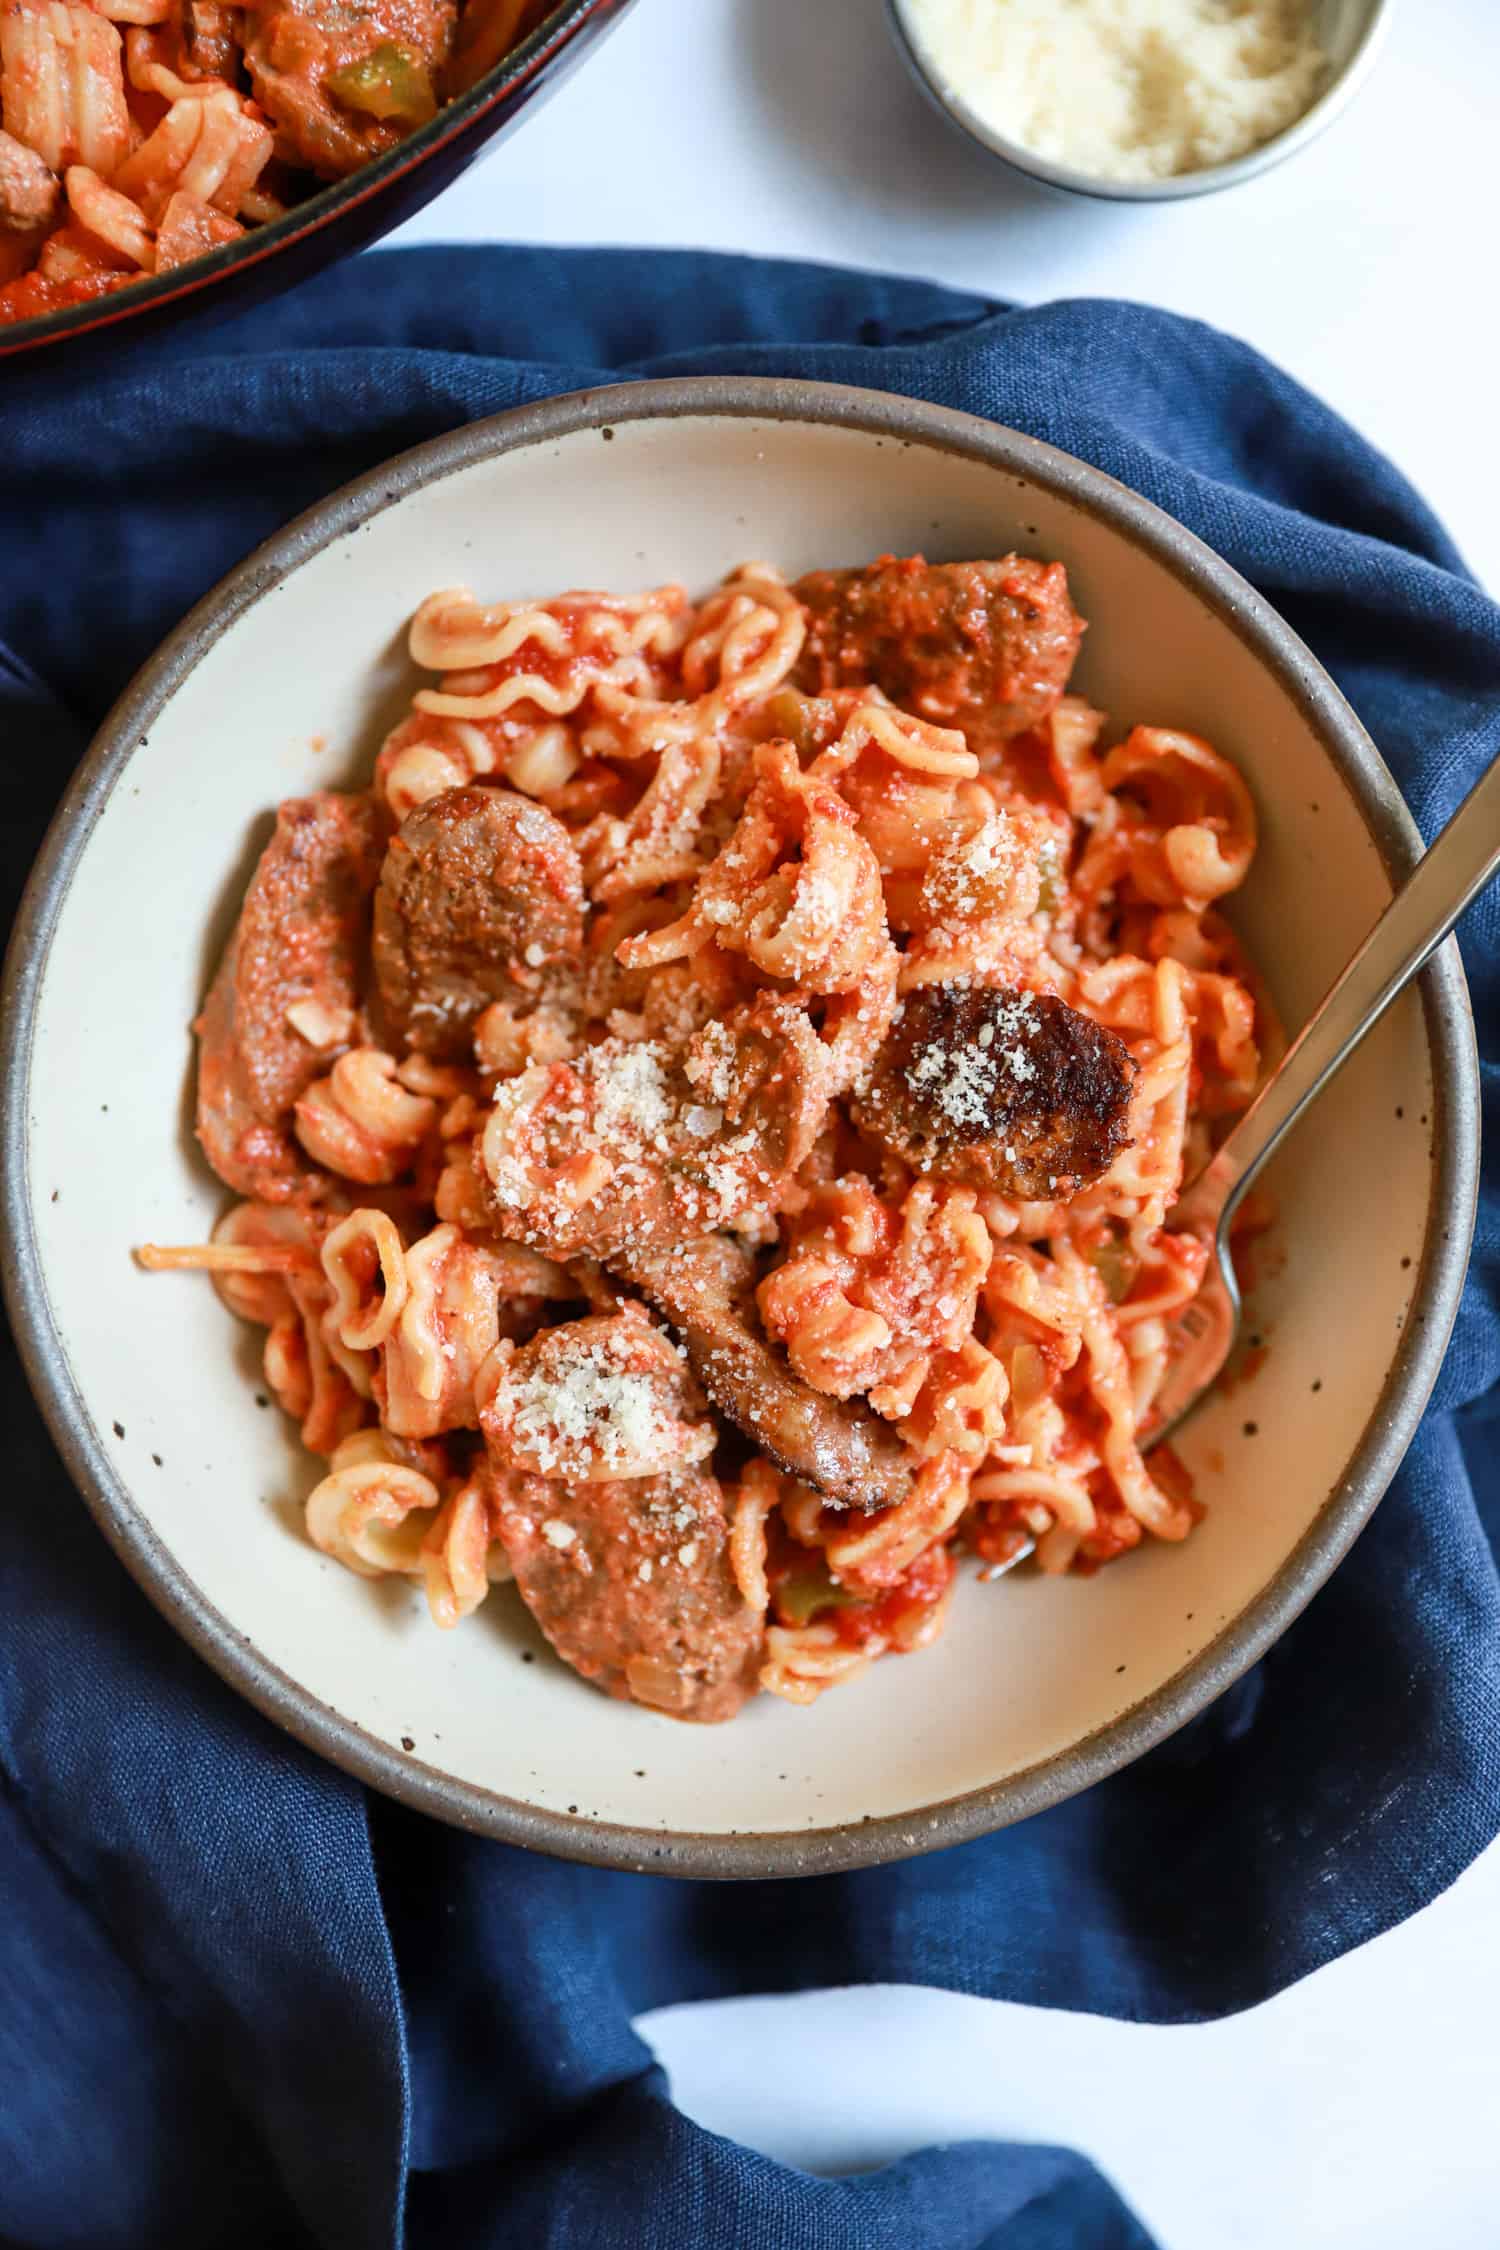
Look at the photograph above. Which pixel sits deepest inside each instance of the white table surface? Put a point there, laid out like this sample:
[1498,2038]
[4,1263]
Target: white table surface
[1362,2110]
[1366,265]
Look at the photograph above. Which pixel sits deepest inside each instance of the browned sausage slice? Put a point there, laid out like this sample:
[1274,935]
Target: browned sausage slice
[839,1447]
[481,890]
[987,645]
[286,990]
[631,1583]
[208,29]
[30,192]
[1014,1092]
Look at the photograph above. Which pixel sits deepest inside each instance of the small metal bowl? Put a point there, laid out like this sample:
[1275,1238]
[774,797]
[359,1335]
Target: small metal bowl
[1350,32]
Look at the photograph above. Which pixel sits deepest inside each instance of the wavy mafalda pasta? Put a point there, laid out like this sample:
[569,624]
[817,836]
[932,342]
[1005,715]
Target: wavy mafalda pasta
[457,1244]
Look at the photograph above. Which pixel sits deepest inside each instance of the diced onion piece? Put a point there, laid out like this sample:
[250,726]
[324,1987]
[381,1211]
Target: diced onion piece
[321,1025]
[1028,1377]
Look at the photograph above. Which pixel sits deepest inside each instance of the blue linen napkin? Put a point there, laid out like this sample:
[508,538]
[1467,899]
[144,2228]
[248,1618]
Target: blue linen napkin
[245,2003]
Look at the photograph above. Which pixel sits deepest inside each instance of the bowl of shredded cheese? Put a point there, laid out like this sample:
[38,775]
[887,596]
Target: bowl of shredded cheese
[1140,100]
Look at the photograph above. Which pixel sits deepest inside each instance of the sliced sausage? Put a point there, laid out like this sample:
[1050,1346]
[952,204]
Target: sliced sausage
[631,1583]
[594,1400]
[982,645]
[1014,1092]
[639,1144]
[30,192]
[836,1445]
[481,890]
[294,960]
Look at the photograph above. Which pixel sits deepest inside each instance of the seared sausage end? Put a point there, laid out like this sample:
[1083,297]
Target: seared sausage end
[1011,1092]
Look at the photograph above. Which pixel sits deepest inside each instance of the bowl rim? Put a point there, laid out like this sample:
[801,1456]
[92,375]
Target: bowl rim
[1177,187]
[1454,1150]
[531,59]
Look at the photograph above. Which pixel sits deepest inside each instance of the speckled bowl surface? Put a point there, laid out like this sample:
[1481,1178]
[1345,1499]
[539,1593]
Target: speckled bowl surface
[282,681]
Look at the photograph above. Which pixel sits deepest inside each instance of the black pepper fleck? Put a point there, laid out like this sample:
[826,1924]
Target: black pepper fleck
[1252,1429]
[118,1428]
[407,1743]
[527,1656]
[640,1773]
[1400,1112]
[606,435]
[56,1192]
[1119,1667]
[156,1457]
[1405,1264]
[261,1399]
[572,1808]
[1318,1383]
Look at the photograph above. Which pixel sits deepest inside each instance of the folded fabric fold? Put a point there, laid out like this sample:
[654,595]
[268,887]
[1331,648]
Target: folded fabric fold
[246,2004]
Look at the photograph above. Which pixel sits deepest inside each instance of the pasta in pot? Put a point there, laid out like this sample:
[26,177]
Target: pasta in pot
[799,1020]
[136,135]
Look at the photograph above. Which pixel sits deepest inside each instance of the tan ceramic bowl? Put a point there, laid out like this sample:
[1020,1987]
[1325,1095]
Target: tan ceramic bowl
[1037,1688]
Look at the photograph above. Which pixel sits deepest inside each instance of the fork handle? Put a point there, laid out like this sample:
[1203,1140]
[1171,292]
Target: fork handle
[1454,869]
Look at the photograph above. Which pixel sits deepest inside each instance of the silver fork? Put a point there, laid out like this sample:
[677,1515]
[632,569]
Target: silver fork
[1448,877]
[1451,873]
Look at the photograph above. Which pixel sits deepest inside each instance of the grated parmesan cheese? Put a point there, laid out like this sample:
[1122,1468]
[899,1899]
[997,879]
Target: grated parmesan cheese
[712,1067]
[1126,89]
[633,1096]
[614,1414]
[965,1085]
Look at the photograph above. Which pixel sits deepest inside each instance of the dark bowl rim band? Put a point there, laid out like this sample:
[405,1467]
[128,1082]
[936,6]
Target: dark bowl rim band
[1388,1430]
[326,205]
